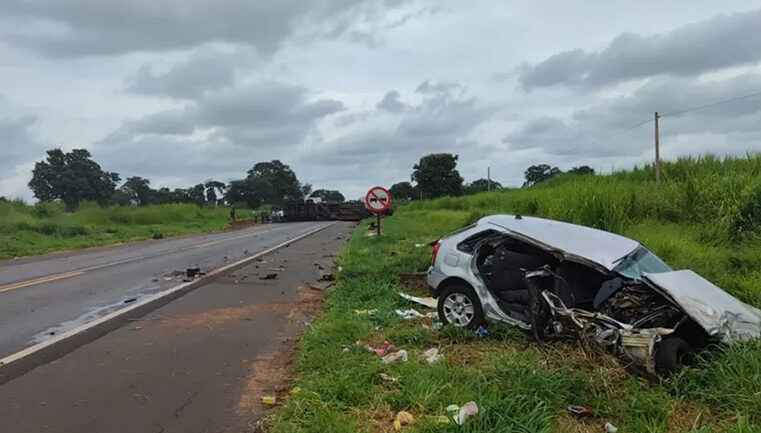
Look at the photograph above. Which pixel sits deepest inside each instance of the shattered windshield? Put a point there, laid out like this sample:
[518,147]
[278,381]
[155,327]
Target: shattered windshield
[641,261]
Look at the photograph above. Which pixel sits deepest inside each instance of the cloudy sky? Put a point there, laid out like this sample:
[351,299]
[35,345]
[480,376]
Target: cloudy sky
[351,93]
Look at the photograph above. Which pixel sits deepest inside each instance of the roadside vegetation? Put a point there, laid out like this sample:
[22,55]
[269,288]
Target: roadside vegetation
[27,230]
[704,216]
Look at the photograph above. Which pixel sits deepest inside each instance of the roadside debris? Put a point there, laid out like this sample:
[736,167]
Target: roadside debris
[388,378]
[436,325]
[269,400]
[482,332]
[193,272]
[380,351]
[371,313]
[610,428]
[579,411]
[295,390]
[130,300]
[269,277]
[432,355]
[419,245]
[392,357]
[426,302]
[461,414]
[280,269]
[327,276]
[158,236]
[403,419]
[409,314]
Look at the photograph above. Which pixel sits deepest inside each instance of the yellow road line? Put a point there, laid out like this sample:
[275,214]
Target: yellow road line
[40,280]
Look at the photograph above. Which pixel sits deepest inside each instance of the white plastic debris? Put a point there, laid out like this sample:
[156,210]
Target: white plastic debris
[610,428]
[419,245]
[467,411]
[392,357]
[408,314]
[432,355]
[426,302]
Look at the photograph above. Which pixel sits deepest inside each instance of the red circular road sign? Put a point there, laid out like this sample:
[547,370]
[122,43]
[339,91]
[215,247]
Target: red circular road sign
[378,199]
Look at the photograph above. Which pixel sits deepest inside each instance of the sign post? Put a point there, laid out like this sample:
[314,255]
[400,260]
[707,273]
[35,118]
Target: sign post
[378,199]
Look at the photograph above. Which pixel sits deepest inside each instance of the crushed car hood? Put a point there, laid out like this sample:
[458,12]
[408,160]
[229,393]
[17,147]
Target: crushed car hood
[722,315]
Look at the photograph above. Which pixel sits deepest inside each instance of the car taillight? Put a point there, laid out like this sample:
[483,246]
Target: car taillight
[435,251]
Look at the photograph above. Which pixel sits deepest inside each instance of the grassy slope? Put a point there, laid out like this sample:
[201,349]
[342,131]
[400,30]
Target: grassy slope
[517,388]
[27,230]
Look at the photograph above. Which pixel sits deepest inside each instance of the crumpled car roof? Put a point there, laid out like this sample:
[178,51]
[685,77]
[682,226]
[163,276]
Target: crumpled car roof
[601,247]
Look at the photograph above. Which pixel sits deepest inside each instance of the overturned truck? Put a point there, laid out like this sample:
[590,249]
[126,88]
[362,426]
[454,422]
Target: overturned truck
[326,211]
[563,281]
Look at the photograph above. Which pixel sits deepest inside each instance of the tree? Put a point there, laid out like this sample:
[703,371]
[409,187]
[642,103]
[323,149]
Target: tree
[197,195]
[72,178]
[212,186]
[137,190]
[329,195]
[436,175]
[539,173]
[242,191]
[584,169]
[481,185]
[404,191]
[275,182]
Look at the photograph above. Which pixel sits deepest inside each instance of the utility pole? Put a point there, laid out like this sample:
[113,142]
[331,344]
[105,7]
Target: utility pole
[657,150]
[488,178]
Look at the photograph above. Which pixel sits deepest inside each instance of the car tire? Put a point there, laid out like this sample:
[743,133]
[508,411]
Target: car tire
[672,354]
[453,306]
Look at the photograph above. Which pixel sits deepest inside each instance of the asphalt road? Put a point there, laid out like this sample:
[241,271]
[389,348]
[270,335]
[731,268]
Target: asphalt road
[45,295]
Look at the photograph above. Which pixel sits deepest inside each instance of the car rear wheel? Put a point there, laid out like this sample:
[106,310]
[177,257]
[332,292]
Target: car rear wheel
[458,304]
[673,353]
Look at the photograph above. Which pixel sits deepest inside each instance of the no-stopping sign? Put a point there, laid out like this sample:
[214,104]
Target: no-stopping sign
[378,199]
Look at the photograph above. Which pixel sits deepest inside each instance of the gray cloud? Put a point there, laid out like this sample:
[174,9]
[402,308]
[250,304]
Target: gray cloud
[17,154]
[600,131]
[720,42]
[93,27]
[391,102]
[206,69]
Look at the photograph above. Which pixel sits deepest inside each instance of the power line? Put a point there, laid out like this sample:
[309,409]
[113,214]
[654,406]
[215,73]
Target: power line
[713,104]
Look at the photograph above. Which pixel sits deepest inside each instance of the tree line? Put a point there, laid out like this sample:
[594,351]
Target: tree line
[436,175]
[73,177]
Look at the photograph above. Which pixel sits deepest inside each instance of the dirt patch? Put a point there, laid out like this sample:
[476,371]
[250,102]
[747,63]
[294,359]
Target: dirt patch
[415,281]
[569,424]
[270,376]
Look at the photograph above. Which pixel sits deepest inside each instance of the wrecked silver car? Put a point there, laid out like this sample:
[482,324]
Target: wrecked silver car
[561,280]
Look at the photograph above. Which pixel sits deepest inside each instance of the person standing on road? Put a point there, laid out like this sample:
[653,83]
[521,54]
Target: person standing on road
[232,213]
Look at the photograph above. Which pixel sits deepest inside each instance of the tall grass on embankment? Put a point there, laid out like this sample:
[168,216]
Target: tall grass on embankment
[517,387]
[46,227]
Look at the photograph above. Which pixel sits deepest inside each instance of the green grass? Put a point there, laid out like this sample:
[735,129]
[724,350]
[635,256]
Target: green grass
[27,230]
[517,387]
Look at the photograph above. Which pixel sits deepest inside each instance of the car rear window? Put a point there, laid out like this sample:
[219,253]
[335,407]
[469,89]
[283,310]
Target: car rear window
[469,244]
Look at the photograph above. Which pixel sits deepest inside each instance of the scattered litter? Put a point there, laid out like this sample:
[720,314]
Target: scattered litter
[167,278]
[388,377]
[269,400]
[432,315]
[426,302]
[610,428]
[280,269]
[269,277]
[260,261]
[461,414]
[436,325]
[340,268]
[307,324]
[130,300]
[372,312]
[432,355]
[155,280]
[391,357]
[137,328]
[321,285]
[579,411]
[158,236]
[193,272]
[419,245]
[246,252]
[482,332]
[350,275]
[327,276]
[294,391]
[402,419]
[408,314]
